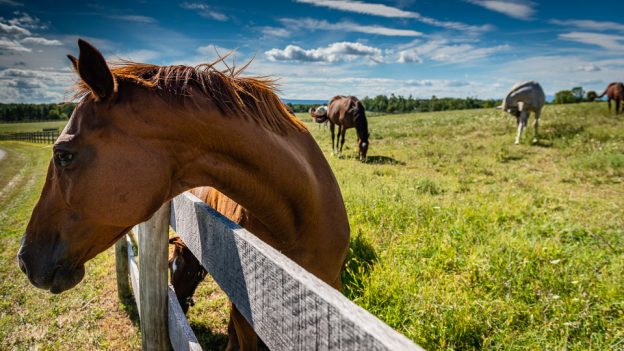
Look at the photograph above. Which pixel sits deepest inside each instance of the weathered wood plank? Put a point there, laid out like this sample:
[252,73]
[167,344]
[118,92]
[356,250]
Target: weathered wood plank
[180,333]
[288,307]
[134,273]
[153,279]
[121,268]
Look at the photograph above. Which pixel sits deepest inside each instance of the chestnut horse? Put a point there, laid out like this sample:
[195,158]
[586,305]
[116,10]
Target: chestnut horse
[615,91]
[346,112]
[142,134]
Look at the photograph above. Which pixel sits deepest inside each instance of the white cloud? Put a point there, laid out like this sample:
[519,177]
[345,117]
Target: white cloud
[204,11]
[443,50]
[313,24]
[141,55]
[41,41]
[135,18]
[336,52]
[391,12]
[590,67]
[25,85]
[590,24]
[213,50]
[27,21]
[522,9]
[409,56]
[12,45]
[607,41]
[276,32]
[12,29]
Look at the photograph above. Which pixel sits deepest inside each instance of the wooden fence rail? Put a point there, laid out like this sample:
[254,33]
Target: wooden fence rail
[289,308]
[43,137]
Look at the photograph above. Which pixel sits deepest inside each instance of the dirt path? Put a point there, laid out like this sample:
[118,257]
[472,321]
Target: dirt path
[2,154]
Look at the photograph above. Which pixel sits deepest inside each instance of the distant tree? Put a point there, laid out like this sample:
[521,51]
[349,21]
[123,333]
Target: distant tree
[591,96]
[564,97]
[578,93]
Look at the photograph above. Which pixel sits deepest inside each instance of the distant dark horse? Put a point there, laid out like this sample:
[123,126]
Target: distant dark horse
[615,91]
[346,112]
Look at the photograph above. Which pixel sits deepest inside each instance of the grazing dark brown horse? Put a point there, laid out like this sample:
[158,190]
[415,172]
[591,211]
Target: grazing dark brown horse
[185,273]
[142,134]
[615,91]
[346,112]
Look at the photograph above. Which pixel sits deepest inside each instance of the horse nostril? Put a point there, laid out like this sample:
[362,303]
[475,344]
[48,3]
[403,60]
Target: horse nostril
[22,264]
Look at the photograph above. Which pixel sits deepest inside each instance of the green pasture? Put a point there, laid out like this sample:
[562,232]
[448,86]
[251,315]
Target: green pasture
[460,239]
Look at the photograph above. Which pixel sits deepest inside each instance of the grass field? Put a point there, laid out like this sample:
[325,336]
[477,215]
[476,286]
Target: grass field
[460,239]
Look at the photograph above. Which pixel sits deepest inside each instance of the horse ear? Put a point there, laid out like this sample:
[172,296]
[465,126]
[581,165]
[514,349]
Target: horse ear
[74,61]
[94,71]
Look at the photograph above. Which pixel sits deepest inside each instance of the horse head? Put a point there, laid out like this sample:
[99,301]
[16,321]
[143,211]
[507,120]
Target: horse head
[318,114]
[185,271]
[102,179]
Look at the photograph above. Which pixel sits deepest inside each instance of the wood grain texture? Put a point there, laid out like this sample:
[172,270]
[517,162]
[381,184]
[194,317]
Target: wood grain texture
[180,332]
[288,307]
[153,280]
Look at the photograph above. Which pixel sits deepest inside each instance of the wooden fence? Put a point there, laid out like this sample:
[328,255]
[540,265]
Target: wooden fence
[47,136]
[289,308]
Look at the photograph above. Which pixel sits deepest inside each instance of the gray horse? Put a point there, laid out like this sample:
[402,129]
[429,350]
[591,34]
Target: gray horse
[523,99]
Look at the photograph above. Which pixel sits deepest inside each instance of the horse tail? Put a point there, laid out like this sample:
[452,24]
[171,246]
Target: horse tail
[603,93]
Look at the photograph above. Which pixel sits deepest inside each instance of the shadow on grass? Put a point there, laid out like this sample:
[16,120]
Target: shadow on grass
[131,309]
[358,265]
[383,160]
[543,143]
[208,339]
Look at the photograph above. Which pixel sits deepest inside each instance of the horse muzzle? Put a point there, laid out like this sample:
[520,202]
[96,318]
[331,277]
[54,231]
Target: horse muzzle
[49,274]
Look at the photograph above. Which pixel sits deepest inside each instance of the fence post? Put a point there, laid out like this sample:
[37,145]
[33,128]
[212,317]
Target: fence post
[121,266]
[153,284]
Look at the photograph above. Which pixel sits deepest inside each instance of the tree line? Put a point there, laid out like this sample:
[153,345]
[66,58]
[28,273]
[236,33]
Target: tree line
[400,104]
[574,95]
[35,112]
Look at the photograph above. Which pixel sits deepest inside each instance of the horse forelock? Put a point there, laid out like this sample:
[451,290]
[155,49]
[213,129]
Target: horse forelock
[252,97]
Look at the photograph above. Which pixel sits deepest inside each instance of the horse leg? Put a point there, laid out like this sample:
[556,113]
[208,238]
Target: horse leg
[617,106]
[332,128]
[609,103]
[241,335]
[340,131]
[523,121]
[536,125]
[342,140]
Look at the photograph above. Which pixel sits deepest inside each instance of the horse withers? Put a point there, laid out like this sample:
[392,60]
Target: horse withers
[523,99]
[141,134]
[346,112]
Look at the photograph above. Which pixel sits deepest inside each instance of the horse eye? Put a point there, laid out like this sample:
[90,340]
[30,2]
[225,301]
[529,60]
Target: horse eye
[63,158]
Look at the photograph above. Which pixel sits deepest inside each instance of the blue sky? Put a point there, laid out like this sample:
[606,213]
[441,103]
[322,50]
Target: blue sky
[321,48]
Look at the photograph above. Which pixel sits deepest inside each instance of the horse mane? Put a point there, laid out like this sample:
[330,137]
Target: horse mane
[251,97]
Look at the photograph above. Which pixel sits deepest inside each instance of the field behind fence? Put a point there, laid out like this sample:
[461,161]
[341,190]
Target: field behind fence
[460,239]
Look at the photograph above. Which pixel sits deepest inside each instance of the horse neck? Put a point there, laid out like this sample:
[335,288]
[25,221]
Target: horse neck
[361,124]
[282,180]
